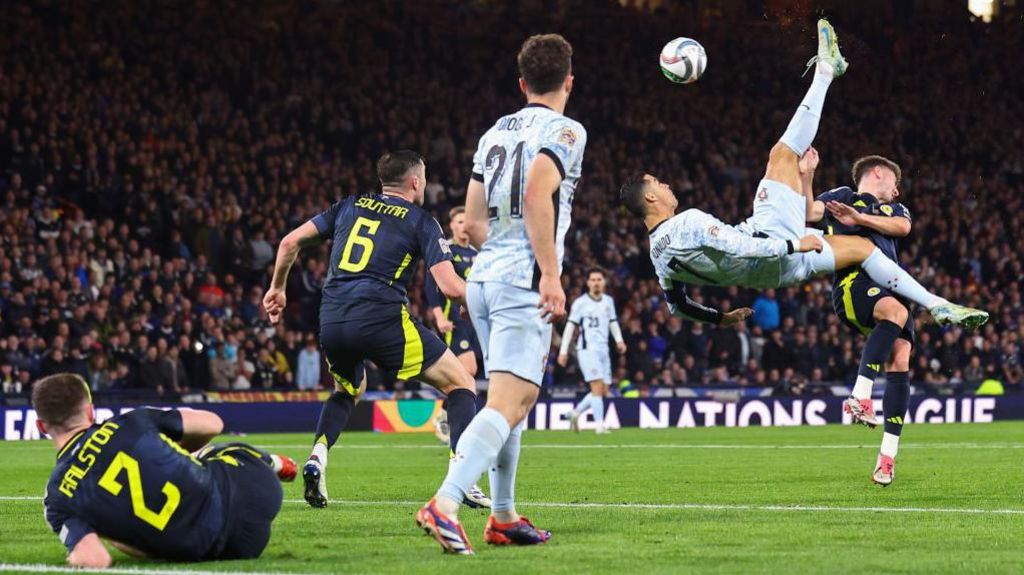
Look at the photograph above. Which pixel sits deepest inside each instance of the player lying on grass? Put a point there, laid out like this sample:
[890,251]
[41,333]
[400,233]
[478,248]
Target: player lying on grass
[131,480]
[364,312]
[773,248]
[865,306]
[594,314]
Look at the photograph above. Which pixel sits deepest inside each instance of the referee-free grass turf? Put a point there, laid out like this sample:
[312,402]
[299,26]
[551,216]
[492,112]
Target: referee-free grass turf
[706,500]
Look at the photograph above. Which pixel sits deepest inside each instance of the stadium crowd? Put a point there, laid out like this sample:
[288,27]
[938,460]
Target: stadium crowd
[153,153]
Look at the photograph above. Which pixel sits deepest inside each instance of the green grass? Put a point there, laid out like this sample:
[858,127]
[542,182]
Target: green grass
[377,481]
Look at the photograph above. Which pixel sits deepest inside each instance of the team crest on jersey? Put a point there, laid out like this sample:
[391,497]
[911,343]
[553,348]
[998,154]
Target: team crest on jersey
[567,137]
[713,231]
[762,195]
[873,292]
[887,210]
[444,246]
[463,344]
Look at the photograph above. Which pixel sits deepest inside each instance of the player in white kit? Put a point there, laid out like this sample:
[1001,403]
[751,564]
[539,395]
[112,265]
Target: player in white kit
[774,247]
[518,207]
[593,313]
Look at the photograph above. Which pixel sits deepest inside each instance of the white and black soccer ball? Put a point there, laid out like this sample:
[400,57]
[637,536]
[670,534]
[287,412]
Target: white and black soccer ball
[683,60]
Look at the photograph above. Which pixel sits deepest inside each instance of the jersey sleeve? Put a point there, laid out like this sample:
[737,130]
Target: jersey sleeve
[715,234]
[324,221]
[432,293]
[576,312]
[69,529]
[841,195]
[680,304]
[433,246]
[478,161]
[564,142]
[166,421]
[896,210]
[613,315]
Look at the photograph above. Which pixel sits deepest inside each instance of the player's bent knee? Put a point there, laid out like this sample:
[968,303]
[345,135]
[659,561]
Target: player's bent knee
[890,309]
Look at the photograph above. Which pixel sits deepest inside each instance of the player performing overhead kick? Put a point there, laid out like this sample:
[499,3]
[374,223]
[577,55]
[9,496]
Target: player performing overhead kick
[773,248]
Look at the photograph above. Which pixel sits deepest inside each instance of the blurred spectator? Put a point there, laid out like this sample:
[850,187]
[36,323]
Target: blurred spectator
[308,374]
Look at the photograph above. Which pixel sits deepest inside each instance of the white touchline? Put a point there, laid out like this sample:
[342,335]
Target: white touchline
[665,506]
[40,568]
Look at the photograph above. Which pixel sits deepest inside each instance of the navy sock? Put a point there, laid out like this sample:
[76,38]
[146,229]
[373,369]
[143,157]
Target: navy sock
[333,418]
[461,409]
[878,348]
[896,400]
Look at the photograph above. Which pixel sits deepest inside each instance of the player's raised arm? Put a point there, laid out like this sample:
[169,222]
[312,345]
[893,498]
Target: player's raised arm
[542,181]
[309,233]
[198,427]
[897,225]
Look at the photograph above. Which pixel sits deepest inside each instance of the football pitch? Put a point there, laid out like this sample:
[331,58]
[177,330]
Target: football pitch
[706,500]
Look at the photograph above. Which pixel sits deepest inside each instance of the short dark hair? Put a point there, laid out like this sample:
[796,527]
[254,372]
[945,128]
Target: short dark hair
[631,194]
[58,398]
[544,62]
[867,163]
[456,211]
[392,167]
[596,270]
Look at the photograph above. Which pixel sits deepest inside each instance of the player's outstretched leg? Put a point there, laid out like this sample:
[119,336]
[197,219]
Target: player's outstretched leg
[854,250]
[573,417]
[284,467]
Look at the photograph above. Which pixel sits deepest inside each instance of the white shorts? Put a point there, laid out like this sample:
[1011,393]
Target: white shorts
[780,212]
[595,365]
[513,336]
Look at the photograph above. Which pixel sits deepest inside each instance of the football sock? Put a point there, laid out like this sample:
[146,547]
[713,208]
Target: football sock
[804,126]
[333,419]
[583,404]
[461,409]
[876,350]
[477,449]
[503,478]
[895,403]
[890,444]
[888,273]
[597,407]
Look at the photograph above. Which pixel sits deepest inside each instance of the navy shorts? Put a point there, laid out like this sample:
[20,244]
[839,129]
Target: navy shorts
[854,299]
[462,338]
[253,495]
[388,336]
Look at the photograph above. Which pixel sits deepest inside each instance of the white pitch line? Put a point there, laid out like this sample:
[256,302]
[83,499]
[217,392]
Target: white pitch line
[666,506]
[40,568]
[20,446]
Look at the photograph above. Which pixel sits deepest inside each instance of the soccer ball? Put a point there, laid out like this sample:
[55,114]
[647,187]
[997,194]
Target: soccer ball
[683,60]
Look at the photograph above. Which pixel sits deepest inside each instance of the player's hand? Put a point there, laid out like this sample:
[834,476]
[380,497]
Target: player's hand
[809,162]
[810,243]
[552,298]
[274,302]
[736,316]
[621,347]
[844,213]
[563,359]
[445,326]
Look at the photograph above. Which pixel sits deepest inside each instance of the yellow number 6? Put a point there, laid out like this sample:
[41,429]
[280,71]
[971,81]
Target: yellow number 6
[130,465]
[354,239]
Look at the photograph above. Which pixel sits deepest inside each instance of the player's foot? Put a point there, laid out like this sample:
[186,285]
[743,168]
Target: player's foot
[285,467]
[574,420]
[315,481]
[521,532]
[441,430]
[885,470]
[828,50]
[476,498]
[446,531]
[602,430]
[953,314]
[862,410]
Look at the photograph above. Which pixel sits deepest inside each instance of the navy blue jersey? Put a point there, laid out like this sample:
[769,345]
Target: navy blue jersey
[462,259]
[377,240]
[865,204]
[127,480]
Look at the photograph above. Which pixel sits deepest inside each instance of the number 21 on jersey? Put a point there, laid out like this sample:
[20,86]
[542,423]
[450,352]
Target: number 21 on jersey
[497,157]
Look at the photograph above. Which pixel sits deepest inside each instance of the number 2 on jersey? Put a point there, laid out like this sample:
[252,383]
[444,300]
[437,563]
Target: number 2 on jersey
[499,154]
[130,465]
[356,239]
